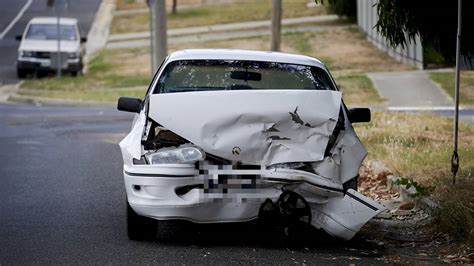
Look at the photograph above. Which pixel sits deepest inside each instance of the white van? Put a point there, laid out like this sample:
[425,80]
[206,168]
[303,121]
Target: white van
[39,46]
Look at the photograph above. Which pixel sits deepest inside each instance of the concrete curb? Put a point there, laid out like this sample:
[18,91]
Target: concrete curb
[226,27]
[99,32]
[44,101]
[7,90]
[219,36]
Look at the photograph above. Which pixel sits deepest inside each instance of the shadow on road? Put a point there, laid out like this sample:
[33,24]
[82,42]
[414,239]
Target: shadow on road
[254,234]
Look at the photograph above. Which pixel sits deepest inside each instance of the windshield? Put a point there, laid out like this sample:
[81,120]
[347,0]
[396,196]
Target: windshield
[206,75]
[50,32]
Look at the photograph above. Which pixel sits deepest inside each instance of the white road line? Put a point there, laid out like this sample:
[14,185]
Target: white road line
[423,108]
[18,16]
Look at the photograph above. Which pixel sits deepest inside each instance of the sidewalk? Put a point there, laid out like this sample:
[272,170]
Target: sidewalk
[410,89]
[249,25]
[413,91]
[6,90]
[218,36]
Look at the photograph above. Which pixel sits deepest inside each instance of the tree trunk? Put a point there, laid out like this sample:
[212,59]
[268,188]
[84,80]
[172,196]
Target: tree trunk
[160,38]
[174,7]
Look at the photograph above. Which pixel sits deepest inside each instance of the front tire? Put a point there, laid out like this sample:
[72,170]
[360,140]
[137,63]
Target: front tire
[21,73]
[140,228]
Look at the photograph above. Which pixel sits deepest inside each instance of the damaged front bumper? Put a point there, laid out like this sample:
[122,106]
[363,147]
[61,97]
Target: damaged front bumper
[255,145]
[224,193]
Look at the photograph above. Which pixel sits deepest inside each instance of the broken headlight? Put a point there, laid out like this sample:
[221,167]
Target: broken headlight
[189,154]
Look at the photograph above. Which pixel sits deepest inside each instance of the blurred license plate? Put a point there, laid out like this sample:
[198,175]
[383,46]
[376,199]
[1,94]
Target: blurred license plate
[45,64]
[227,183]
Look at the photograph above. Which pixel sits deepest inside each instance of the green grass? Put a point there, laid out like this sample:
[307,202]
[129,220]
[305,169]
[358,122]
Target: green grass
[300,41]
[216,14]
[419,147]
[341,50]
[85,95]
[103,82]
[108,70]
[358,90]
[446,81]
[433,58]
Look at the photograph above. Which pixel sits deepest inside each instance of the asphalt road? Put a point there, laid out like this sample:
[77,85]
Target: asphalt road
[83,10]
[62,200]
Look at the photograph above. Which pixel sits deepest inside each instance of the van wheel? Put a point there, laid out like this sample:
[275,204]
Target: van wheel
[140,228]
[21,73]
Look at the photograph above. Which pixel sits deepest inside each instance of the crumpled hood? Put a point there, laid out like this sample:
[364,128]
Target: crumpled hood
[49,46]
[261,127]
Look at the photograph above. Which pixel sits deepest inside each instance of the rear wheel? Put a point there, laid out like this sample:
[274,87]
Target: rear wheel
[78,72]
[139,227]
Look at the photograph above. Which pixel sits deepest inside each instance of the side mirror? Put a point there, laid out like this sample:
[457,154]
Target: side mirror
[359,115]
[18,37]
[83,39]
[127,104]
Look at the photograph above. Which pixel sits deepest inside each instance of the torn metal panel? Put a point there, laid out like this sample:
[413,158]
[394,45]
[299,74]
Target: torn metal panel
[131,144]
[351,152]
[253,127]
[344,216]
[345,158]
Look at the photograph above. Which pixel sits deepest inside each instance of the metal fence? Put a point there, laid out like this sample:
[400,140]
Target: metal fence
[367,17]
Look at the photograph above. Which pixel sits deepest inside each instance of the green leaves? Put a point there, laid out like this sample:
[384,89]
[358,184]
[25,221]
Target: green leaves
[421,191]
[435,21]
[342,7]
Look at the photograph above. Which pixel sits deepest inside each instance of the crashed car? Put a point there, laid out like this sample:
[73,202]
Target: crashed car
[235,135]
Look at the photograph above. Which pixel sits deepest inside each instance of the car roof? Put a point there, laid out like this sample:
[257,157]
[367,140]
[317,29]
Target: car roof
[248,55]
[53,20]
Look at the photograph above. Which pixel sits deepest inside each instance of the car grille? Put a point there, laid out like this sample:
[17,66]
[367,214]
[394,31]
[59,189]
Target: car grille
[54,59]
[42,55]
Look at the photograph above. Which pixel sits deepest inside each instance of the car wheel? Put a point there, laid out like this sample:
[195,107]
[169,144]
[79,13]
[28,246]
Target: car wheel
[351,184]
[139,227]
[21,73]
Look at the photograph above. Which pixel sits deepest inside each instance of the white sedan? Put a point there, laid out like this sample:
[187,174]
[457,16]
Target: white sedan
[235,135]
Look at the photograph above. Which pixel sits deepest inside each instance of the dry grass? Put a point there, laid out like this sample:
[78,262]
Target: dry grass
[110,75]
[419,147]
[134,4]
[344,51]
[216,14]
[130,62]
[131,67]
[130,4]
[109,69]
[358,90]
[446,81]
[254,43]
